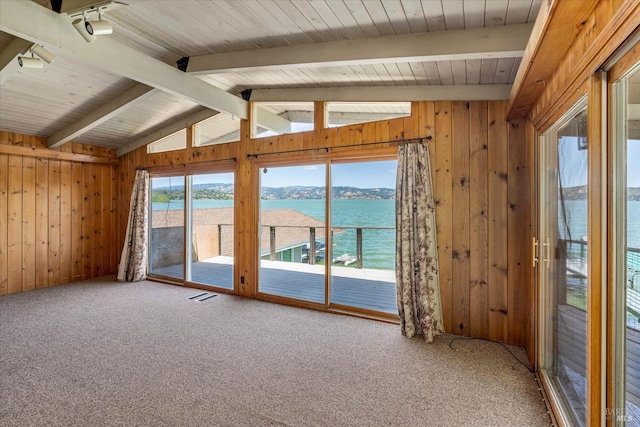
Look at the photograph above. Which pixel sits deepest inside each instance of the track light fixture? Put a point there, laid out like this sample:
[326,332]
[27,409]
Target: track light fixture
[78,24]
[33,62]
[99,27]
[90,28]
[30,62]
[43,53]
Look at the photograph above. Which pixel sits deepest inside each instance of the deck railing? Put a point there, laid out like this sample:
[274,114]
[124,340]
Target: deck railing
[371,247]
[576,256]
[577,250]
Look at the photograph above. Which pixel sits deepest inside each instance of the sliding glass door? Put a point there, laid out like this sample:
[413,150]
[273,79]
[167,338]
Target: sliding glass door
[564,272]
[167,225]
[210,214]
[626,245]
[356,271]
[292,236]
[364,235]
[191,229]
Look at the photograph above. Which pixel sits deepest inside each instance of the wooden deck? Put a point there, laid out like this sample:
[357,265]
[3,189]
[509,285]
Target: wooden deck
[572,364]
[364,292]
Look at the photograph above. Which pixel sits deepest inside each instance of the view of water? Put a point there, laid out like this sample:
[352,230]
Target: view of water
[378,245]
[379,213]
[576,211]
[576,218]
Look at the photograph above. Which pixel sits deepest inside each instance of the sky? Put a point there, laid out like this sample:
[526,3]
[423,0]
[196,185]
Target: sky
[197,179]
[573,163]
[633,163]
[383,174]
[361,175]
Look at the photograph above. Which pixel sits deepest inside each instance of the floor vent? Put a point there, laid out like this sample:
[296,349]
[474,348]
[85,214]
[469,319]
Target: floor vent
[202,297]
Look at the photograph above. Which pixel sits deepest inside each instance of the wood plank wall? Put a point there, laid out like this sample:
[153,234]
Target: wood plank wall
[481,174]
[55,215]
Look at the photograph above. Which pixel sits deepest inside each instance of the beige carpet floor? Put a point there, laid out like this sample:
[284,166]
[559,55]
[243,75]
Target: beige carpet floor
[102,353]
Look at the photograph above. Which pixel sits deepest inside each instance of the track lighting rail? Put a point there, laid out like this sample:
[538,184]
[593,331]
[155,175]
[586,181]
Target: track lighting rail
[89,29]
[100,7]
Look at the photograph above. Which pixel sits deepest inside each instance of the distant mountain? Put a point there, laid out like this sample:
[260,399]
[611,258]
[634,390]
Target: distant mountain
[575,193]
[217,191]
[580,193]
[223,187]
[341,193]
[364,193]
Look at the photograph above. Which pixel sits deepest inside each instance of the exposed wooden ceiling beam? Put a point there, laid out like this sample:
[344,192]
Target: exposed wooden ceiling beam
[105,112]
[384,93]
[556,27]
[170,129]
[478,43]
[30,21]
[75,5]
[137,94]
[8,63]
[342,118]
[273,122]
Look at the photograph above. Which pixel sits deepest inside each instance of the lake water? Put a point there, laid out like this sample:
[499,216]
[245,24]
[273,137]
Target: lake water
[576,211]
[379,245]
[380,213]
[576,214]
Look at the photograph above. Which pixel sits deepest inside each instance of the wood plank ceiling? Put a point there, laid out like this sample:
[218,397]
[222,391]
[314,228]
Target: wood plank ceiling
[46,102]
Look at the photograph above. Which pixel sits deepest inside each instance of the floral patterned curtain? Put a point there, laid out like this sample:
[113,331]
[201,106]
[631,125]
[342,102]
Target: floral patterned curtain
[133,262]
[416,248]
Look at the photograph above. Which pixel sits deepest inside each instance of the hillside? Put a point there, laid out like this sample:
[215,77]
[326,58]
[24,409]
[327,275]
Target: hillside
[580,193]
[342,193]
[220,191]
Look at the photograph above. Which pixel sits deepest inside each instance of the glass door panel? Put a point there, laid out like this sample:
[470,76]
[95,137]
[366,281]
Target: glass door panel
[564,272]
[292,236]
[211,256]
[626,217]
[632,250]
[166,236]
[363,230]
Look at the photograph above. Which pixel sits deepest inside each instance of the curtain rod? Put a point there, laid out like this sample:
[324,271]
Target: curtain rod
[326,149]
[140,168]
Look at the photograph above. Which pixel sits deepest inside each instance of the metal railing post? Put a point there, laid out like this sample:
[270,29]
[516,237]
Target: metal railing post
[272,243]
[312,245]
[359,247]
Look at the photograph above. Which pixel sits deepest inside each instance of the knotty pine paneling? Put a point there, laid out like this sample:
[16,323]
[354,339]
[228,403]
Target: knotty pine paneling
[29,222]
[14,231]
[461,251]
[519,227]
[497,238]
[4,219]
[443,193]
[47,220]
[481,178]
[478,220]
[42,223]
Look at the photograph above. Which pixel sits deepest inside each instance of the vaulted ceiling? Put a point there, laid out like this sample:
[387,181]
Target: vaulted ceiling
[124,87]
